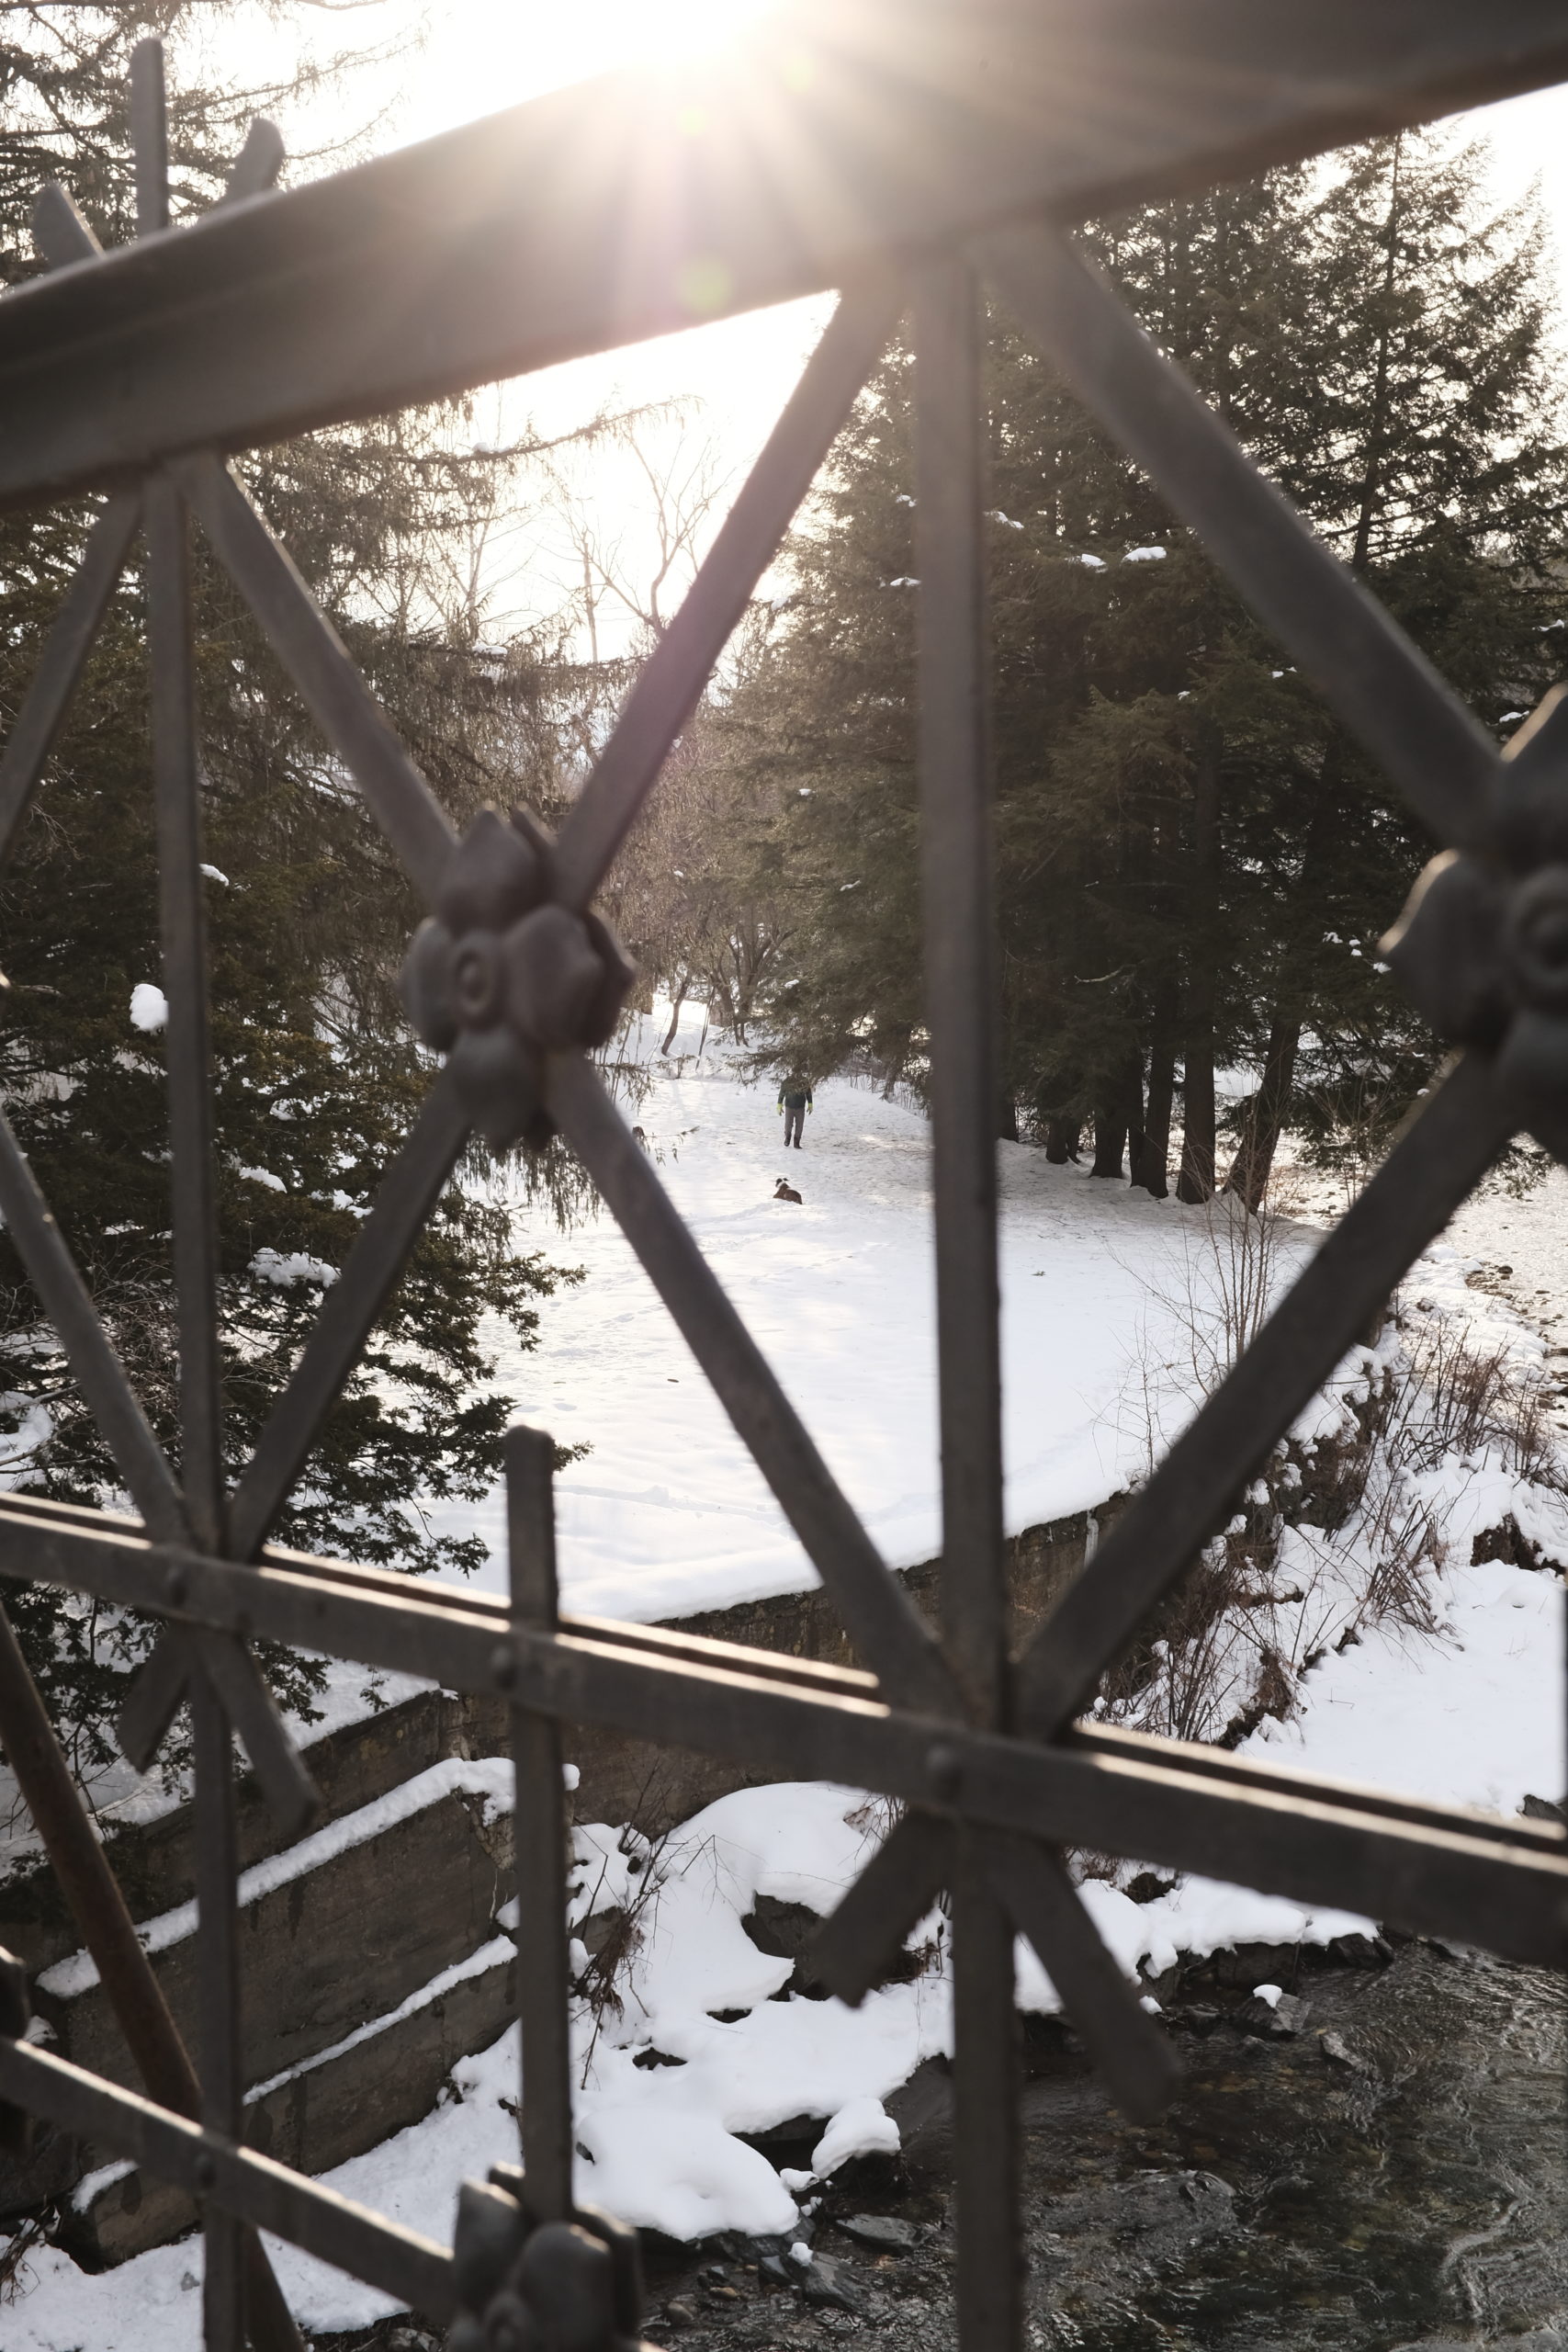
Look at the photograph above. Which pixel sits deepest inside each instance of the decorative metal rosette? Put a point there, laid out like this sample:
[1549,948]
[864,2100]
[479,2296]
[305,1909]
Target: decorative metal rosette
[1485,955]
[502,974]
[549,2287]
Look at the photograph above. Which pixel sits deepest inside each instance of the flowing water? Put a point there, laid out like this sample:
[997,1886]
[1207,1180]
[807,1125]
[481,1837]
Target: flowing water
[1389,2178]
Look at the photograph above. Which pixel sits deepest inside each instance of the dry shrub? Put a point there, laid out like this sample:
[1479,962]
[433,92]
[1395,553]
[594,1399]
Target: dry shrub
[1212,1664]
[1464,1399]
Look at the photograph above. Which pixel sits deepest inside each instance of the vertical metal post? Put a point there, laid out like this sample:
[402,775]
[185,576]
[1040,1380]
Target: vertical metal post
[178,802]
[150,136]
[222,2076]
[956,850]
[177,788]
[540,1829]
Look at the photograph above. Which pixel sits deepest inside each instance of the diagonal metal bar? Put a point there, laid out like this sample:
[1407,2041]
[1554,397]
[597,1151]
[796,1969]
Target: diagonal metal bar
[401,2262]
[882,1621]
[1129,2048]
[103,1917]
[1441,1154]
[165,1682]
[150,136]
[291,1792]
[256,167]
[154,1699]
[61,235]
[1530,784]
[409,1191]
[1383,688]
[311,651]
[863,1935]
[539,1820]
[177,795]
[61,661]
[95,1368]
[958,923]
[673,678]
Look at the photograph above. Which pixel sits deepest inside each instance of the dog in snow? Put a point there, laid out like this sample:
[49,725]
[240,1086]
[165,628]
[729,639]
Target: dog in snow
[786,1193]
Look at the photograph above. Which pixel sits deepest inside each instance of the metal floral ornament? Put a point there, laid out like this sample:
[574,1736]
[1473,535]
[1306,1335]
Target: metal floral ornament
[551,2287]
[502,974]
[1485,956]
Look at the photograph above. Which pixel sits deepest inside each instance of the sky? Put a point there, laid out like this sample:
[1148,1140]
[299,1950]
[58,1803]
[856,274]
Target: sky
[444,64]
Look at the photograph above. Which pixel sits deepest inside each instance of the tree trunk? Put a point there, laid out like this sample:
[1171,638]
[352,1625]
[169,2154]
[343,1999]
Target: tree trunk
[1007,1120]
[675,1015]
[1110,1143]
[1062,1141]
[1266,1112]
[1150,1167]
[1196,1180]
[1121,1122]
[1377,423]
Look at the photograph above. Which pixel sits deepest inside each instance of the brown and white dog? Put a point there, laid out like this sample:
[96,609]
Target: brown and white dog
[786,1193]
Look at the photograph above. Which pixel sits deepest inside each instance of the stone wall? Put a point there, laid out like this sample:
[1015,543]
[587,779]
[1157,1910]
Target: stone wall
[376,1963]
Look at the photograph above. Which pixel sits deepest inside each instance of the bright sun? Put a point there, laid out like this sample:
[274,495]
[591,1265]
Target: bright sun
[543,47]
[681,27]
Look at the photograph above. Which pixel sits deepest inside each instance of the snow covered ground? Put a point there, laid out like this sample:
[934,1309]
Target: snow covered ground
[666,1515]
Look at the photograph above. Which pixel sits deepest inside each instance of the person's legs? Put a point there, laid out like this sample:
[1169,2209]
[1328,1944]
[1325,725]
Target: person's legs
[794,1115]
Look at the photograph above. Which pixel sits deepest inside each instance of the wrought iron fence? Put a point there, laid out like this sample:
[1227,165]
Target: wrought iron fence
[903,156]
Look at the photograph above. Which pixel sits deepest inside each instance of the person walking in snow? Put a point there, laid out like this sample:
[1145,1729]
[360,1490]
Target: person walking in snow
[794,1101]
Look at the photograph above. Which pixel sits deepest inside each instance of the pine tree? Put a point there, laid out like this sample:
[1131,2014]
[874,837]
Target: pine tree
[315,1076]
[1193,859]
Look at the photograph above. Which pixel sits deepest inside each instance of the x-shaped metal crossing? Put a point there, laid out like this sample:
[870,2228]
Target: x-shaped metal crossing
[515,981]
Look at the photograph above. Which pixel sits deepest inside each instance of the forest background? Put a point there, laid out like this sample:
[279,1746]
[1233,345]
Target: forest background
[1194,863]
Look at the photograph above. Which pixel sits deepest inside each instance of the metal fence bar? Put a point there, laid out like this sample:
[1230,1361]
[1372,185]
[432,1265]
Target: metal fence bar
[332,2228]
[63,660]
[1225,1769]
[959,925]
[1034,1889]
[150,137]
[50,1793]
[594,217]
[1383,688]
[91,1536]
[1438,1873]
[882,1621]
[938,123]
[670,681]
[95,1367]
[864,1934]
[218,2038]
[177,798]
[544,1989]
[1437,1161]
[311,651]
[76,1856]
[408,1194]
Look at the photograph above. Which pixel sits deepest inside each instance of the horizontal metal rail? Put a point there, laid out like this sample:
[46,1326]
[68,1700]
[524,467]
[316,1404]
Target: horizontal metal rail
[640,203]
[1432,1872]
[333,2228]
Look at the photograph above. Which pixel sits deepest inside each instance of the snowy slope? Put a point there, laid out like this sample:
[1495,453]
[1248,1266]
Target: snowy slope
[667,1514]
